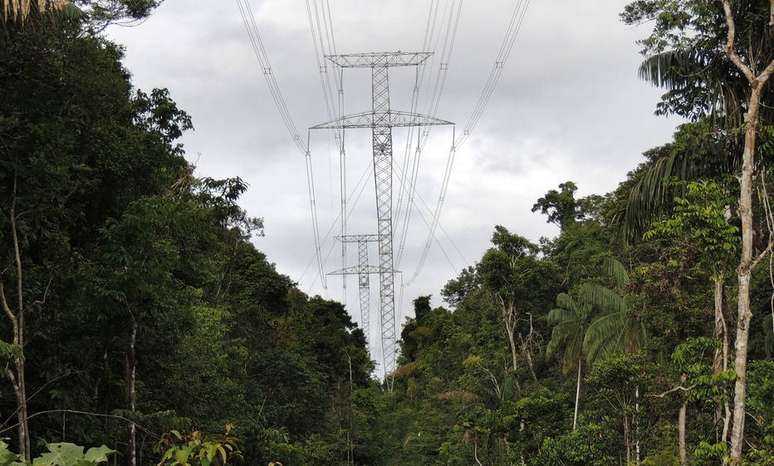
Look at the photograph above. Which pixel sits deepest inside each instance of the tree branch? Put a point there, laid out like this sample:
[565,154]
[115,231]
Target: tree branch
[730,50]
[762,254]
[672,390]
[9,312]
[42,301]
[84,413]
[755,81]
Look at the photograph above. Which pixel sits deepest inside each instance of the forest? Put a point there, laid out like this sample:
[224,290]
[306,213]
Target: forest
[143,326]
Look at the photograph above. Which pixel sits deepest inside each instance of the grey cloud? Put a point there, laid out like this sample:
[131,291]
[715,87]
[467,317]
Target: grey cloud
[569,106]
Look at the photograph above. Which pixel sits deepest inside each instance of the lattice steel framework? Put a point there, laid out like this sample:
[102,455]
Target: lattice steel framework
[363,271]
[381,119]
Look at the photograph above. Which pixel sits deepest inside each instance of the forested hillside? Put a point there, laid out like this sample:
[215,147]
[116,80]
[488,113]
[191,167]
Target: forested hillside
[140,315]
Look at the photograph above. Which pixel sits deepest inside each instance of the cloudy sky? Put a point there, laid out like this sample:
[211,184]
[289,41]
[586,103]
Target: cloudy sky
[569,107]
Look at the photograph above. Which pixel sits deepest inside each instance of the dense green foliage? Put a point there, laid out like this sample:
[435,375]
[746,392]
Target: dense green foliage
[152,321]
[116,233]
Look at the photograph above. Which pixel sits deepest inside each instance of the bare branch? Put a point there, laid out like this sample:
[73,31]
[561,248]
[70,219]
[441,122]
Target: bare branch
[730,50]
[9,312]
[762,255]
[42,300]
[672,390]
[84,413]
[755,81]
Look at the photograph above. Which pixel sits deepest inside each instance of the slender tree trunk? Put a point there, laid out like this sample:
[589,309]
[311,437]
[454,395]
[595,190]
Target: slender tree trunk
[744,313]
[525,348]
[577,396]
[475,451]
[16,318]
[530,365]
[681,427]
[512,343]
[637,424]
[19,391]
[681,433]
[746,263]
[720,360]
[509,320]
[627,441]
[131,392]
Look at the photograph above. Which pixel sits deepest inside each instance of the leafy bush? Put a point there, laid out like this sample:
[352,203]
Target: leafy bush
[196,449]
[58,454]
[583,447]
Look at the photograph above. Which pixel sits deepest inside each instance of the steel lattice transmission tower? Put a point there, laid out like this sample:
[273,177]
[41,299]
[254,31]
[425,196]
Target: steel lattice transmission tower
[363,271]
[381,119]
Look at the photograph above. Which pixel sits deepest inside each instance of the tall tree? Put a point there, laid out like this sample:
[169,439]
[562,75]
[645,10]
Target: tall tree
[515,276]
[695,34]
[757,77]
[571,320]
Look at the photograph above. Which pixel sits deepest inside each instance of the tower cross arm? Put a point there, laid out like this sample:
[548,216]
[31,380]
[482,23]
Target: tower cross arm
[357,269]
[392,118]
[358,238]
[374,59]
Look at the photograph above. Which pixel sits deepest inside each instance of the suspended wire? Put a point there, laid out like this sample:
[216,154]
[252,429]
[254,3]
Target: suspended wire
[359,188]
[504,52]
[259,50]
[324,41]
[428,224]
[454,14]
[514,27]
[432,16]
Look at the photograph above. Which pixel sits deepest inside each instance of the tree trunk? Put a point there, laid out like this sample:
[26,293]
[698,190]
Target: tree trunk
[131,394]
[16,375]
[512,343]
[681,416]
[681,433]
[510,327]
[720,360]
[746,263]
[627,442]
[531,367]
[577,396]
[744,313]
[637,424]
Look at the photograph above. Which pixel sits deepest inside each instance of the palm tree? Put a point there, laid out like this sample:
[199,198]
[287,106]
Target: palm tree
[571,321]
[599,323]
[616,328]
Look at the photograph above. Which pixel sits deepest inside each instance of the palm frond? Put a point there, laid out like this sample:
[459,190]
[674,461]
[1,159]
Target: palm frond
[653,192]
[671,69]
[616,270]
[559,315]
[603,299]
[565,301]
[21,9]
[603,335]
[573,351]
[559,335]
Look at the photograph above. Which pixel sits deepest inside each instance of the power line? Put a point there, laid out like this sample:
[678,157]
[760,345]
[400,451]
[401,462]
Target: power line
[504,52]
[324,41]
[454,14]
[259,49]
[359,188]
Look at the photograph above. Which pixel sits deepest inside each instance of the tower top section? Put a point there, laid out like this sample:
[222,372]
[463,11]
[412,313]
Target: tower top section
[379,59]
